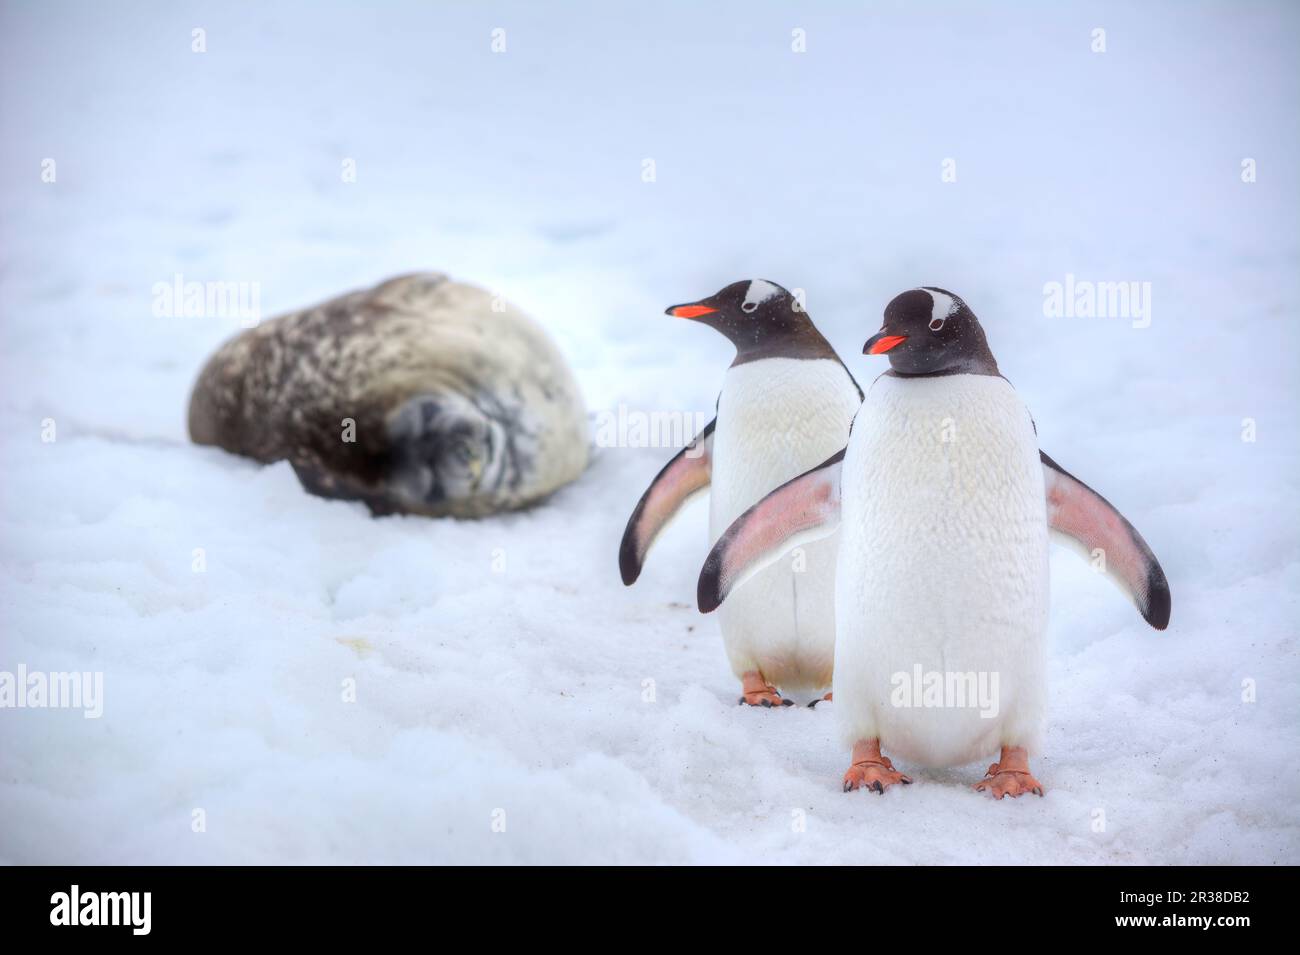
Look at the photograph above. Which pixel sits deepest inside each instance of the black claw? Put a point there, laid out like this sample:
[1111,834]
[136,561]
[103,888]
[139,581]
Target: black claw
[876,787]
[848,786]
[813,704]
[906,781]
[768,704]
[787,702]
[741,701]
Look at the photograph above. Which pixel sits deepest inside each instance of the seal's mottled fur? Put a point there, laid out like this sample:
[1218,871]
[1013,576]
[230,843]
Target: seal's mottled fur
[456,403]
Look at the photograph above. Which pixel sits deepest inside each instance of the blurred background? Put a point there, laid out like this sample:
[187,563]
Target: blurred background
[595,163]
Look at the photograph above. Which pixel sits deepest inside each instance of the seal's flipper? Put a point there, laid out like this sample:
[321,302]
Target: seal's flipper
[799,511]
[687,474]
[1089,520]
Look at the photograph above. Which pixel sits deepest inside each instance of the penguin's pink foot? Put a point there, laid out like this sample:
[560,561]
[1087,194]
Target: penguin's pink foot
[870,770]
[1010,775]
[824,699]
[756,691]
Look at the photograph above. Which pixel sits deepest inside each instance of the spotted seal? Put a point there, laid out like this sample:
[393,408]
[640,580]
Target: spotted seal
[421,395]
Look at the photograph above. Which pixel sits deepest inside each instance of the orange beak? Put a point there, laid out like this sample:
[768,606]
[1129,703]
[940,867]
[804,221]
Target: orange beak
[690,311]
[880,344]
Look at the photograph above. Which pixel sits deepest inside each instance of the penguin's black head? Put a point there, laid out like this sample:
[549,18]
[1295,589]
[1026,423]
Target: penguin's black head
[745,308]
[760,317]
[929,331]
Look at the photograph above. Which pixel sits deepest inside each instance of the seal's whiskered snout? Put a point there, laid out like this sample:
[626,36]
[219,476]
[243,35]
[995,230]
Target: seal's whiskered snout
[443,448]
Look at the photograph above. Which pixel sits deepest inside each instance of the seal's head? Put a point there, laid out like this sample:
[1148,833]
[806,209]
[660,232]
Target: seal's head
[445,448]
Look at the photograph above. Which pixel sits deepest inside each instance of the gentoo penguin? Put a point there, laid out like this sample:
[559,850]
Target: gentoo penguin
[943,502]
[421,395]
[786,403]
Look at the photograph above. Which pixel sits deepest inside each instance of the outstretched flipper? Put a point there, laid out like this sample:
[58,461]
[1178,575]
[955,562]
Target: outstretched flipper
[799,511]
[687,474]
[1080,513]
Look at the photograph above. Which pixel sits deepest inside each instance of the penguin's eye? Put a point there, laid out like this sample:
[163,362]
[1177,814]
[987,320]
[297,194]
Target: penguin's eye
[936,324]
[748,307]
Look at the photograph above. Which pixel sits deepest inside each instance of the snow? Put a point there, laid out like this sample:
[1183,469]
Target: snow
[500,669]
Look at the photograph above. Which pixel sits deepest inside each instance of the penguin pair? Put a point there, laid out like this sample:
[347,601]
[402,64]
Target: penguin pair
[930,521]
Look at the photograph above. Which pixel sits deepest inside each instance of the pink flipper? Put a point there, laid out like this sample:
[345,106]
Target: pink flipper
[804,509]
[1080,513]
[687,474]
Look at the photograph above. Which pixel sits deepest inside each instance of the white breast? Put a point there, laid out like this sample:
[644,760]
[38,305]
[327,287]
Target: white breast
[777,418]
[943,567]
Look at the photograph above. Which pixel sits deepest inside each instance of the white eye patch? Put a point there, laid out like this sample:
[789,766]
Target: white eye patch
[942,309]
[757,293]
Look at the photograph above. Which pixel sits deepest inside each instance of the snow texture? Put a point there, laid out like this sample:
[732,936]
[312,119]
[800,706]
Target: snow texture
[603,165]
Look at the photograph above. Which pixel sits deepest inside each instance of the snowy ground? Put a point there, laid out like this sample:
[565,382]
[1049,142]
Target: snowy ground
[482,687]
